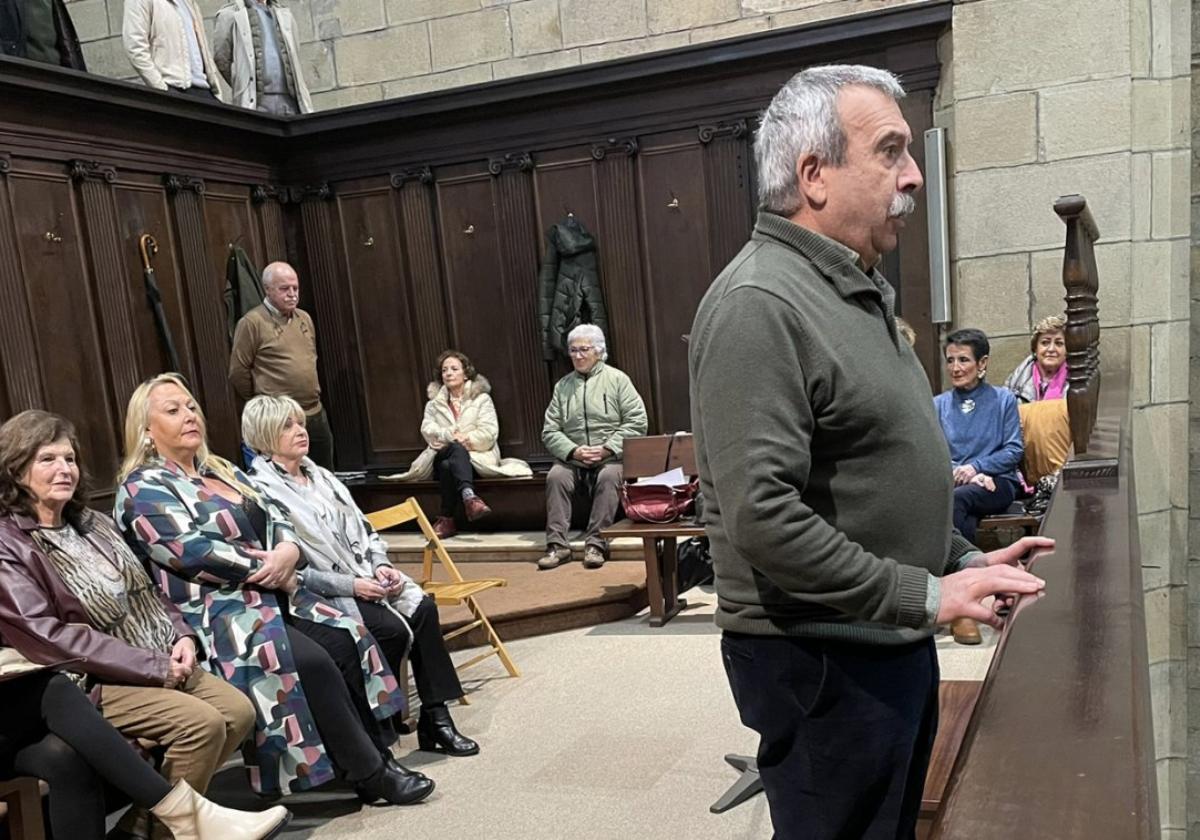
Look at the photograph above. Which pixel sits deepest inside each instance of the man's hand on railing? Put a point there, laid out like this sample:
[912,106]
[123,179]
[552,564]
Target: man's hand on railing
[995,573]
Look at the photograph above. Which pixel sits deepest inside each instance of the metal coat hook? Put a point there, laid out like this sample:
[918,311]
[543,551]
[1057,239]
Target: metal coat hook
[368,241]
[50,236]
[673,204]
[469,230]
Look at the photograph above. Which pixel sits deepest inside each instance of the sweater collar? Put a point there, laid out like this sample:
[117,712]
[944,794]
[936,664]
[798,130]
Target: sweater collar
[596,368]
[840,264]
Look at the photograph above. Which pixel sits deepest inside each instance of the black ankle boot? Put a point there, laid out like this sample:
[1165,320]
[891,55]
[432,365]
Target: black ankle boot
[436,733]
[395,784]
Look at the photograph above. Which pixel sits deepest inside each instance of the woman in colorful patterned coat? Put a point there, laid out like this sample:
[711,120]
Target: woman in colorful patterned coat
[227,556]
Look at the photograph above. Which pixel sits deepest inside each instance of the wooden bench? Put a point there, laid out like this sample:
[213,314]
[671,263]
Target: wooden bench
[644,456]
[518,504]
[21,808]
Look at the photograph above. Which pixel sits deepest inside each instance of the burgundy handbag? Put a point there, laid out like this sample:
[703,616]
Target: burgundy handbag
[657,503]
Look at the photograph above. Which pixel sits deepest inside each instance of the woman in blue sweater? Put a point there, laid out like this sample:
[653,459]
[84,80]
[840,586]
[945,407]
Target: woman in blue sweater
[983,428]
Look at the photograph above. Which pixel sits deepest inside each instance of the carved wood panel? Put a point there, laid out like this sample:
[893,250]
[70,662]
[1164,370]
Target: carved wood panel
[65,321]
[675,229]
[422,263]
[207,313]
[478,299]
[22,379]
[103,247]
[142,209]
[384,327]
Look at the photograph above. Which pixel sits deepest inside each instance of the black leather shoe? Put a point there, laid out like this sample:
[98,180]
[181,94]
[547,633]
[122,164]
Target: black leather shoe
[395,784]
[436,733]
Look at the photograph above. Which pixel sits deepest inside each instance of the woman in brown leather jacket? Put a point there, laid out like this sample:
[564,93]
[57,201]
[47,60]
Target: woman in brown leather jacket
[70,588]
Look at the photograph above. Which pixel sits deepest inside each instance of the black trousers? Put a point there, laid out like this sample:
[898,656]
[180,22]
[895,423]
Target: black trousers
[329,669]
[452,466]
[320,439]
[972,502]
[846,731]
[205,94]
[433,672]
[50,730]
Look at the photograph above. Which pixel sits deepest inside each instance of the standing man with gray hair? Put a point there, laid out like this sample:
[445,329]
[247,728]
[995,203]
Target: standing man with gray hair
[827,495]
[593,409]
[275,353]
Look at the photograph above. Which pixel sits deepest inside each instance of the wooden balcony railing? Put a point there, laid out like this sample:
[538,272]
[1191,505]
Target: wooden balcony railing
[1060,743]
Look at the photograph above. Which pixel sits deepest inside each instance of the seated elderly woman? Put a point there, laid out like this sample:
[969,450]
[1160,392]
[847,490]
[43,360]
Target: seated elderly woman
[226,555]
[1043,373]
[983,431]
[348,563]
[591,412]
[70,589]
[463,434]
[49,730]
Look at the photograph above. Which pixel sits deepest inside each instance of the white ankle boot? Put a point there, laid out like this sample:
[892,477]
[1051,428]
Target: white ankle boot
[190,816]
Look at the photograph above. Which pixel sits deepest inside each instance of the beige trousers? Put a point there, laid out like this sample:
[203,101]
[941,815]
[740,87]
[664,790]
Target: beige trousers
[200,724]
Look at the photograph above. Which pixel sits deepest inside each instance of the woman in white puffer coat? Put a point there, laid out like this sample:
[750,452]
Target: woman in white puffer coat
[463,433]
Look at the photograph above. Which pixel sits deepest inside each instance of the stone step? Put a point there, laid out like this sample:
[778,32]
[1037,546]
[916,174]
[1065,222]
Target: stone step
[501,547]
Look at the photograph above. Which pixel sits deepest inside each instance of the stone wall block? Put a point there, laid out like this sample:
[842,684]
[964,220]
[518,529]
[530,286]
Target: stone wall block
[1166,636]
[673,15]
[1159,274]
[733,29]
[1140,375]
[353,17]
[1141,180]
[91,19]
[1029,44]
[1160,108]
[995,131]
[1012,209]
[1171,214]
[638,46]
[473,75]
[814,12]
[1007,353]
[1169,361]
[1170,45]
[761,7]
[1160,446]
[411,11]
[107,57]
[346,96]
[535,27]
[601,21]
[316,63]
[1172,797]
[1085,119]
[1048,295]
[541,63]
[992,294]
[381,56]
[1164,536]
[1139,38]
[302,15]
[469,39]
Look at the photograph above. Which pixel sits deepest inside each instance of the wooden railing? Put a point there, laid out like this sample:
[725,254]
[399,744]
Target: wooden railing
[1060,744]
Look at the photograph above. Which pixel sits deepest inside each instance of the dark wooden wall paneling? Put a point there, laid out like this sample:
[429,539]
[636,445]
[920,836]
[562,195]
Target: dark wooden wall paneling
[454,192]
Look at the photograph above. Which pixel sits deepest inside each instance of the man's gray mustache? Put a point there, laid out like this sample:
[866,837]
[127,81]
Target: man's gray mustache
[903,204]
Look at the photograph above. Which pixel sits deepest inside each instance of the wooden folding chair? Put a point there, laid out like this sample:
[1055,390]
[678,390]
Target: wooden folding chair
[22,798]
[457,590]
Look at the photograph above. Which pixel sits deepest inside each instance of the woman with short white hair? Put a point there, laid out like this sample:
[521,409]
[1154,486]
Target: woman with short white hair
[348,564]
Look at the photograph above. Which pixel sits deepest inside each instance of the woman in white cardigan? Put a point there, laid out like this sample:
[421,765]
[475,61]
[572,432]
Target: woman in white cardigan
[462,431]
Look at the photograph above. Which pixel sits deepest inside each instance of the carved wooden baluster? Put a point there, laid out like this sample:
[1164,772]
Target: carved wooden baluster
[1083,324]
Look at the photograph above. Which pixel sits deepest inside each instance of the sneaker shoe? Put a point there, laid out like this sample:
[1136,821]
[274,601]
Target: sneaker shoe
[554,557]
[444,527]
[593,557]
[476,508]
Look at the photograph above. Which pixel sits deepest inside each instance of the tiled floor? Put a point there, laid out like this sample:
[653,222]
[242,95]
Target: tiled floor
[615,731]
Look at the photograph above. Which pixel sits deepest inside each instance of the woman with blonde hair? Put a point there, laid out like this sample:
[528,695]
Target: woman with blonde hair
[227,556]
[1043,374]
[348,563]
[463,433]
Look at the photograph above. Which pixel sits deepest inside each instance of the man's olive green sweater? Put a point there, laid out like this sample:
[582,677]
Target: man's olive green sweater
[826,478]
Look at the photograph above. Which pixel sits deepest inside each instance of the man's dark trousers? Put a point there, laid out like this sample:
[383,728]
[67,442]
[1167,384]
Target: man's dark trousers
[320,439]
[847,730]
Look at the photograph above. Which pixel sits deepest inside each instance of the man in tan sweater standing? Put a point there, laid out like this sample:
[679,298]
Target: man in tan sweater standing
[275,353]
